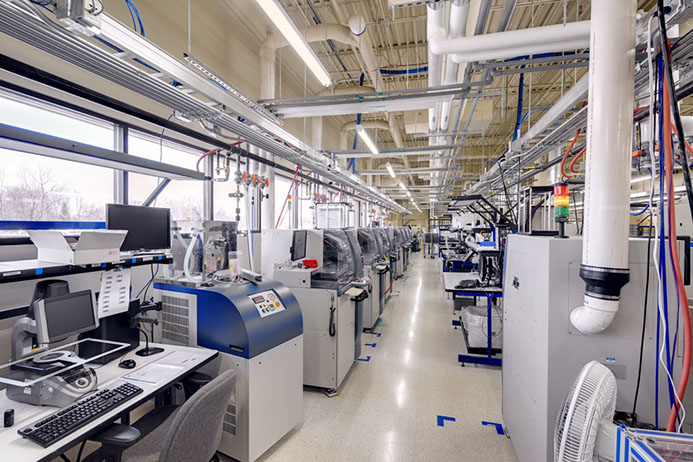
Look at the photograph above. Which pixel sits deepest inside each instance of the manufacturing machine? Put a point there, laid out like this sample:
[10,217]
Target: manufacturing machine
[256,326]
[258,329]
[321,274]
[387,277]
[542,351]
[372,253]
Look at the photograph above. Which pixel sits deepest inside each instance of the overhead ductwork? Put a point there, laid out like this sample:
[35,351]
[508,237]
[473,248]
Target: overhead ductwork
[510,44]
[607,178]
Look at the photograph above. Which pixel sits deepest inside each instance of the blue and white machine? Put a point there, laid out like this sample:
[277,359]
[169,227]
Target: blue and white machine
[258,329]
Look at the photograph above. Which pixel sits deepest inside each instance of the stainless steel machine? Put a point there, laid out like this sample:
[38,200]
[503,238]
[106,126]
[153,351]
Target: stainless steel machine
[326,294]
[542,351]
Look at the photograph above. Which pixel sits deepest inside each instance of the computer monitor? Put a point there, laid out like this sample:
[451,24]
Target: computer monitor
[298,244]
[57,318]
[149,228]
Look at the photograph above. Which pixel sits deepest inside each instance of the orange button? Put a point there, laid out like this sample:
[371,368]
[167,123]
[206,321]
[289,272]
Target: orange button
[276,304]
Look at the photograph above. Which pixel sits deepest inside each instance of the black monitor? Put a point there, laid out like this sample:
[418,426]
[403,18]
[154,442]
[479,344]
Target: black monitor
[149,228]
[57,318]
[298,244]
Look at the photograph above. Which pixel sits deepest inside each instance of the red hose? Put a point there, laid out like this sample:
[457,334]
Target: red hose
[392,281]
[686,368]
[572,164]
[567,153]
[197,165]
[279,219]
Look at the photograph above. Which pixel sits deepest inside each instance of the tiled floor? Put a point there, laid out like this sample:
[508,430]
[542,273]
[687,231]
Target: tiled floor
[387,408]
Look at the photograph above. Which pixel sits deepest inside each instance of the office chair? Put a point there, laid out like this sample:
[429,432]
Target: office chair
[187,433]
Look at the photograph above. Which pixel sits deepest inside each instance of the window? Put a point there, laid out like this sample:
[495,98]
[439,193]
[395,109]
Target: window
[281,189]
[36,187]
[184,198]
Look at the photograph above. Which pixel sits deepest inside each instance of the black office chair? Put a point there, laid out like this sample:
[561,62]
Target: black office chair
[187,433]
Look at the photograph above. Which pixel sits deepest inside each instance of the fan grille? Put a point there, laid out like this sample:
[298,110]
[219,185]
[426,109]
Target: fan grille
[591,399]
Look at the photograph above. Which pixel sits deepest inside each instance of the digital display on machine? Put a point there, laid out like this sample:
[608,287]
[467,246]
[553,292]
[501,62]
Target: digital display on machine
[298,244]
[267,303]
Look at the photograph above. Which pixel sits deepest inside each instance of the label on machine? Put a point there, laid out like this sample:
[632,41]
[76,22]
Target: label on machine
[267,303]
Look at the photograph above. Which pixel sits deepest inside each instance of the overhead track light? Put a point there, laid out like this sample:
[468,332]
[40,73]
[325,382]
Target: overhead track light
[363,134]
[390,170]
[288,29]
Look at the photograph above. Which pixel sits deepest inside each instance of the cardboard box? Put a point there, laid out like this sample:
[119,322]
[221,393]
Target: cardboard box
[97,246]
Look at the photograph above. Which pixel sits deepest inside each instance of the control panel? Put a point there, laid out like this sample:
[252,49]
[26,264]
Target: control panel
[267,303]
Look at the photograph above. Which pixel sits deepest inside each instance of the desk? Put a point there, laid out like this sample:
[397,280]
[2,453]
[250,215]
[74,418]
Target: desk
[17,449]
[450,280]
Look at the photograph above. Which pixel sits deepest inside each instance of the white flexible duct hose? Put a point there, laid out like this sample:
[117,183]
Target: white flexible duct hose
[186,260]
[607,181]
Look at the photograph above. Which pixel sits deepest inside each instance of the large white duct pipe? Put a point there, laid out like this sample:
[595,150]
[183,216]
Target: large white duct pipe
[509,44]
[607,182]
[459,11]
[435,30]
[357,26]
[268,51]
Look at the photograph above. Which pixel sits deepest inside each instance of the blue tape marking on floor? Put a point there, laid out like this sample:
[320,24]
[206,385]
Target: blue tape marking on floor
[443,418]
[366,359]
[371,344]
[499,427]
[377,334]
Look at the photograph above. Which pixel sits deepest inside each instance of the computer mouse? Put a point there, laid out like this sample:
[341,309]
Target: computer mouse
[128,364]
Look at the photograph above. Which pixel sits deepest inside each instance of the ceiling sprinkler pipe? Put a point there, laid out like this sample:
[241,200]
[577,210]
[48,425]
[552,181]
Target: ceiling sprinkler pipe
[607,182]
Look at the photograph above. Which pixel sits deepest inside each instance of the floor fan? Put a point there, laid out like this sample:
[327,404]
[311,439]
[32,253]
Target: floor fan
[584,430]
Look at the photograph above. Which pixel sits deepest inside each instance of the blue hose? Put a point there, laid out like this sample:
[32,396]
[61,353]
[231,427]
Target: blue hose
[403,71]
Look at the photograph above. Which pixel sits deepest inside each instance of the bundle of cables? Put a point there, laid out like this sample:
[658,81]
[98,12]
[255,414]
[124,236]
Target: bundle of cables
[666,253]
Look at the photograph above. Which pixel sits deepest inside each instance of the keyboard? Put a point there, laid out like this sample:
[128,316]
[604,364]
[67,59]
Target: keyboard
[51,429]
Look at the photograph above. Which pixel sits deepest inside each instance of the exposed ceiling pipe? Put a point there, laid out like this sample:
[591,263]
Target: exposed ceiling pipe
[435,28]
[509,44]
[459,12]
[607,178]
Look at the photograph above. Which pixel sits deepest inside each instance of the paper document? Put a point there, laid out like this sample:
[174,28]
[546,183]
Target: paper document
[181,358]
[114,296]
[154,373]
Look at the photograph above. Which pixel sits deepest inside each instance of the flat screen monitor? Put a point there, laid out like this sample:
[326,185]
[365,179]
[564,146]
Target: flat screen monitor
[149,228]
[57,318]
[298,244]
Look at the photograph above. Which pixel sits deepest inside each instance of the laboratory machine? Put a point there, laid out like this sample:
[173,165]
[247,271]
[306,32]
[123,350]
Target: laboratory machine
[318,266]
[257,326]
[375,271]
[387,273]
[543,351]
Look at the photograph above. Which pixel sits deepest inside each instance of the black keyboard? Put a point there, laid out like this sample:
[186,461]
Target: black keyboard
[58,425]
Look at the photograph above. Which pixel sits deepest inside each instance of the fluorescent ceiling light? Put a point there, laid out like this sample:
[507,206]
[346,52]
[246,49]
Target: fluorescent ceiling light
[401,185]
[288,29]
[642,178]
[363,134]
[390,170]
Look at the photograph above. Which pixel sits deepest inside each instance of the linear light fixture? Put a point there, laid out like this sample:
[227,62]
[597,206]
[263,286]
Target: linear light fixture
[288,29]
[390,170]
[401,185]
[363,134]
